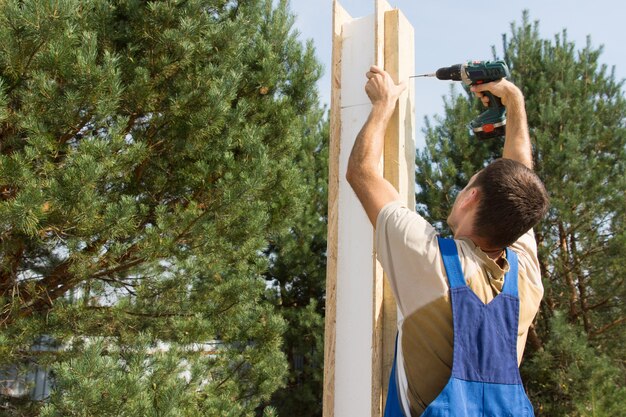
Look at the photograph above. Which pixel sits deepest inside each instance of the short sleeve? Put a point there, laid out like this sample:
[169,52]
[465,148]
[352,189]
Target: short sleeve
[526,249]
[407,248]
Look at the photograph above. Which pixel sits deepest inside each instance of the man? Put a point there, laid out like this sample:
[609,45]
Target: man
[496,210]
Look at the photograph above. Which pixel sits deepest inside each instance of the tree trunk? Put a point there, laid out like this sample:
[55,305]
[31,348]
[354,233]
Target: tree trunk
[582,286]
[568,275]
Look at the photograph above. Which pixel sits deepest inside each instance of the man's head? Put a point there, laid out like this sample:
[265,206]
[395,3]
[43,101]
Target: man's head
[505,200]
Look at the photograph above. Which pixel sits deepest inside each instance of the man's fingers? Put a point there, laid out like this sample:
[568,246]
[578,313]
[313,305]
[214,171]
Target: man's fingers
[490,86]
[482,97]
[374,71]
[381,86]
[478,88]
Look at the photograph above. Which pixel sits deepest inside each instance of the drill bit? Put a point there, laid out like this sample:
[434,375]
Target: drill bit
[432,74]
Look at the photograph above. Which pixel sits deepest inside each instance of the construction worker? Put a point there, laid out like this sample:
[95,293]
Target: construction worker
[464,305]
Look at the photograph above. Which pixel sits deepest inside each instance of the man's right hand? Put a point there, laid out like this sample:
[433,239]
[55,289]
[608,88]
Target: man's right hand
[503,88]
[517,139]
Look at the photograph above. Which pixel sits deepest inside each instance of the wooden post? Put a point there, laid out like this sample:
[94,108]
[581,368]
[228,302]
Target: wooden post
[399,153]
[340,16]
[360,310]
[384,313]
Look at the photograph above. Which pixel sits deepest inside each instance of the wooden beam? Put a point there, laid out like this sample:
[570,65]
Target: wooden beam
[399,155]
[400,135]
[380,370]
[340,16]
[381,7]
[360,315]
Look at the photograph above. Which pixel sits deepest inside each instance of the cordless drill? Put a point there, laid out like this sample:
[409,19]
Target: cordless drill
[492,122]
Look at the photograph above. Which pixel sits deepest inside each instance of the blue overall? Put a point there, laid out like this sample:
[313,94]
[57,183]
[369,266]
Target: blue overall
[485,379]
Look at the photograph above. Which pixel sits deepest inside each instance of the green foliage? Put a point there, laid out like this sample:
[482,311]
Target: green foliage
[146,163]
[297,278]
[144,378]
[567,377]
[576,114]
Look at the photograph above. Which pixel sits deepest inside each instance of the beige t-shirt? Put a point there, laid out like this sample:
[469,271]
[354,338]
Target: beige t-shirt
[407,248]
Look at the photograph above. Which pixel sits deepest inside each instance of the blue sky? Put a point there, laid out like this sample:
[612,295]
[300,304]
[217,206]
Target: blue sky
[449,32]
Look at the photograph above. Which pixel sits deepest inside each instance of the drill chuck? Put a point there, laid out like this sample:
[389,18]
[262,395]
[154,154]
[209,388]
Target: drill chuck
[449,73]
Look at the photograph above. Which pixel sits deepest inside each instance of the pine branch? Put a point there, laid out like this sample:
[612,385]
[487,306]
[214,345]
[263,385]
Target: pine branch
[140,314]
[607,327]
[48,289]
[6,130]
[232,374]
[9,275]
[569,278]
[582,285]
[20,78]
[605,301]
[158,315]
[119,268]
[224,310]
[534,339]
[139,170]
[191,224]
[72,133]
[131,122]
[127,286]
[49,285]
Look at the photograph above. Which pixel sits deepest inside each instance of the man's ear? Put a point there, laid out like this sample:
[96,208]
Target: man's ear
[471,198]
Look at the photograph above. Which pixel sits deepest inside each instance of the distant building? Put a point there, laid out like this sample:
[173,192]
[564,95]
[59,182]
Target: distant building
[29,379]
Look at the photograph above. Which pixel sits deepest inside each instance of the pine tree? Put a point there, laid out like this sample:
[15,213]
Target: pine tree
[146,163]
[571,378]
[576,114]
[297,276]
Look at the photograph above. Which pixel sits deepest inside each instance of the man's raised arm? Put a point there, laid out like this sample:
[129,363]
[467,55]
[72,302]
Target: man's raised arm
[517,140]
[372,189]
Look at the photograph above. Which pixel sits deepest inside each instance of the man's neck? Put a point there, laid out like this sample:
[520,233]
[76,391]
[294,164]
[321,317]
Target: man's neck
[496,255]
[493,253]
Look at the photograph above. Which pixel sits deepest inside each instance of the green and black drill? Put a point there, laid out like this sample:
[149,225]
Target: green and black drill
[492,122]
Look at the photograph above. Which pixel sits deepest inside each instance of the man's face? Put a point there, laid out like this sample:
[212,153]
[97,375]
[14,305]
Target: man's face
[457,214]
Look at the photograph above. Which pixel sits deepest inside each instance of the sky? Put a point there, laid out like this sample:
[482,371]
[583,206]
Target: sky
[449,32]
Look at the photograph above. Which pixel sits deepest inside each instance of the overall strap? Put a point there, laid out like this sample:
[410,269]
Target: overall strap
[393,403]
[451,262]
[510,279]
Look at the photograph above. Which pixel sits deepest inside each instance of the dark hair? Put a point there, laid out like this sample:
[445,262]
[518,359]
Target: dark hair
[513,200]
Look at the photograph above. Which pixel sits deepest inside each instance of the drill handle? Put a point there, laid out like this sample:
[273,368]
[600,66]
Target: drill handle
[490,123]
[494,101]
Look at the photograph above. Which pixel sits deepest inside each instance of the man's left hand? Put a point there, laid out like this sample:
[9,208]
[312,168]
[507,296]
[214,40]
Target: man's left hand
[381,89]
